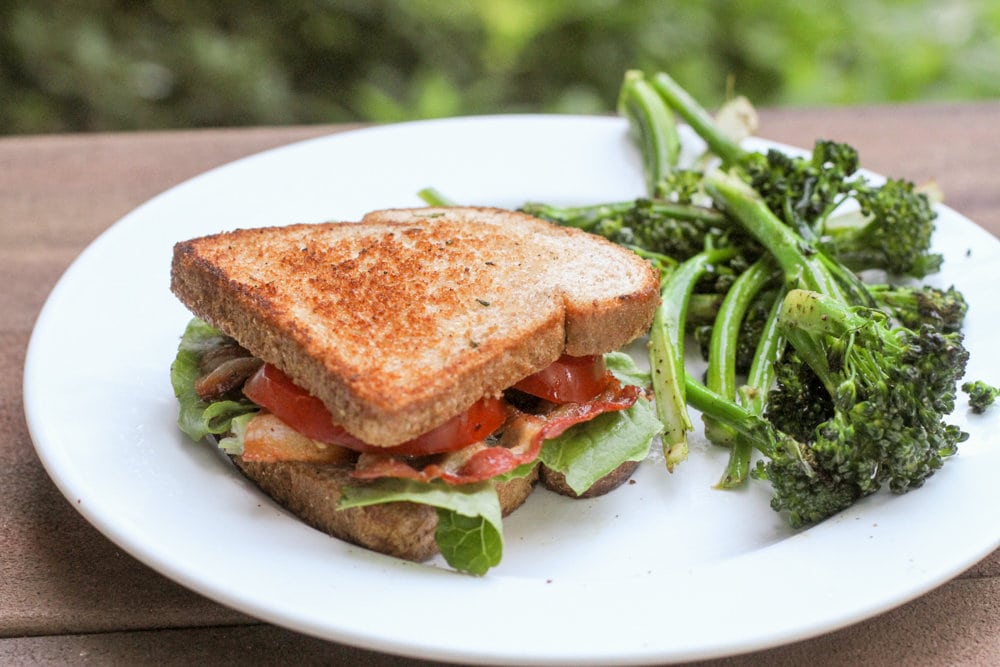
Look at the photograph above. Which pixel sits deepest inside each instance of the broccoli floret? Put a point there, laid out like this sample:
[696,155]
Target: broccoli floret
[891,388]
[802,401]
[679,185]
[676,230]
[804,191]
[884,393]
[943,309]
[981,395]
[892,231]
[801,485]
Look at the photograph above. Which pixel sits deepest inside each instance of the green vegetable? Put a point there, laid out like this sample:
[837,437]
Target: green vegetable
[624,368]
[676,229]
[848,386]
[914,307]
[652,125]
[470,530]
[196,417]
[666,351]
[981,395]
[892,231]
[433,197]
[587,452]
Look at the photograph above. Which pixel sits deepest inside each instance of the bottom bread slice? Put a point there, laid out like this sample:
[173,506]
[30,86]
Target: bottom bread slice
[553,480]
[401,529]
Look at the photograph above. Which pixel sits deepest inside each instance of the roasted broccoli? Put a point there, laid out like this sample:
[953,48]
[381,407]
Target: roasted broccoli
[872,415]
[981,395]
[892,230]
[840,387]
[804,191]
[943,309]
[677,230]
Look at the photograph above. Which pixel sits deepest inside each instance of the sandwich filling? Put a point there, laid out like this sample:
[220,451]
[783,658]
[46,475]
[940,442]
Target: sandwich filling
[581,416]
[492,437]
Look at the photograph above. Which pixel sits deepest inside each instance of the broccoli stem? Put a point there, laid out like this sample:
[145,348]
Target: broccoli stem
[698,118]
[589,217]
[759,379]
[433,197]
[802,265]
[666,351]
[721,373]
[757,431]
[653,126]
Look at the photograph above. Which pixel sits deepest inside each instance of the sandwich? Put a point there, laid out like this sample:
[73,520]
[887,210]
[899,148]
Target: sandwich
[404,381]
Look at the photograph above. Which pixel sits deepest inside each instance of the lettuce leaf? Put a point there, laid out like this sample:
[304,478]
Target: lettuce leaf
[232,444]
[623,367]
[196,417]
[469,532]
[587,452]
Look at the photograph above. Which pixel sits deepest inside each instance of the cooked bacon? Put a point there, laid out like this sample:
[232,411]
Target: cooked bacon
[521,442]
[269,439]
[226,378]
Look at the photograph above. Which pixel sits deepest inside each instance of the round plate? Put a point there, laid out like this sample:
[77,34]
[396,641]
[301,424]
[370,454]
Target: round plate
[664,569]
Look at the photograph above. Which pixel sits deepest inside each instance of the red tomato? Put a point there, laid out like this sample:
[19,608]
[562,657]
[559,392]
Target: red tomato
[270,388]
[568,380]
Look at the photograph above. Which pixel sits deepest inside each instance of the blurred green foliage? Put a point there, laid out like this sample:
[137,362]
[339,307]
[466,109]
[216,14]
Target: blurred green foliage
[108,65]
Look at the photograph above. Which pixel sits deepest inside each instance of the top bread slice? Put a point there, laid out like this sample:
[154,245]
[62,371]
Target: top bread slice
[403,320]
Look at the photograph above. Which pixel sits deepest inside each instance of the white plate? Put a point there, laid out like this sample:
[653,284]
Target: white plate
[664,569]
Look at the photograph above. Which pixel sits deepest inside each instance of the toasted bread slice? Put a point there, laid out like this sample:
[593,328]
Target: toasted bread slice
[401,529]
[404,320]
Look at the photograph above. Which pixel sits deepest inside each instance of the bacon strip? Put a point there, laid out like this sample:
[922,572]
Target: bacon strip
[523,435]
[268,439]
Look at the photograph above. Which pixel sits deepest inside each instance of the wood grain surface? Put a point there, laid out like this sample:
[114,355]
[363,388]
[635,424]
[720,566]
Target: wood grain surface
[69,596]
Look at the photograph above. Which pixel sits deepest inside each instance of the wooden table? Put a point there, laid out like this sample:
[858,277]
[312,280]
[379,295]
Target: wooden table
[68,595]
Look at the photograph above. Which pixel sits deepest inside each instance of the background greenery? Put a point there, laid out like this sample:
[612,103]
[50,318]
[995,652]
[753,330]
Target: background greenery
[106,64]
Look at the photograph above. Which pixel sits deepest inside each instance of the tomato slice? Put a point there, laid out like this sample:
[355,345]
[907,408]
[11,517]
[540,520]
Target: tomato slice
[272,389]
[568,380]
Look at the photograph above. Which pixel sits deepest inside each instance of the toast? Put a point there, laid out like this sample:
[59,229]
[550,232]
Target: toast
[403,320]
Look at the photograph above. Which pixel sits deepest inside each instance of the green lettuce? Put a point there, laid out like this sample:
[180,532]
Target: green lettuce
[196,417]
[587,452]
[623,367]
[469,532]
[232,444]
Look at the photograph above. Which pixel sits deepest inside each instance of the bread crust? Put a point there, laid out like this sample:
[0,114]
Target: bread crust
[554,480]
[404,320]
[401,529]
